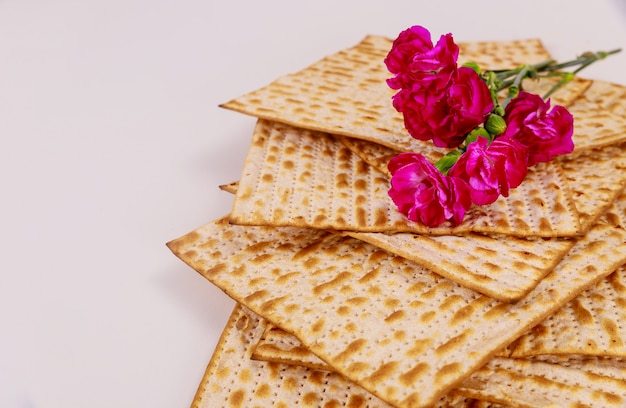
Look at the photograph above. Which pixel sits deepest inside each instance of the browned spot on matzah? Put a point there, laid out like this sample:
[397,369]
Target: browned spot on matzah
[383,372]
[272,304]
[398,315]
[450,302]
[236,399]
[408,378]
[583,315]
[453,343]
[447,371]
[428,316]
[351,349]
[318,326]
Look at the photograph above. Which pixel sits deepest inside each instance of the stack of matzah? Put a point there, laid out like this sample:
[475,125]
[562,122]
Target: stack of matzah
[345,303]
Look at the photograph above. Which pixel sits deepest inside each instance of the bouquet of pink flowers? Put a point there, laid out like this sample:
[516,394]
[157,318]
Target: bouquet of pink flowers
[458,107]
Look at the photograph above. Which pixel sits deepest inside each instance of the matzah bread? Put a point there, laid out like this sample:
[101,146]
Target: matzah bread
[591,325]
[599,118]
[612,367]
[495,55]
[276,345]
[530,383]
[378,156]
[565,96]
[346,94]
[233,380]
[551,381]
[504,268]
[301,178]
[594,176]
[616,214]
[230,187]
[507,269]
[514,265]
[295,177]
[364,311]
[279,273]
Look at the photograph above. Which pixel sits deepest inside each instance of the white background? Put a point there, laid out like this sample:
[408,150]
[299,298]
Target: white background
[113,144]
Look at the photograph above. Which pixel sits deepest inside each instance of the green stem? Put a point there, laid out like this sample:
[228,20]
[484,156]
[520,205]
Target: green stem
[502,75]
[583,66]
[565,78]
[517,82]
[547,68]
[585,60]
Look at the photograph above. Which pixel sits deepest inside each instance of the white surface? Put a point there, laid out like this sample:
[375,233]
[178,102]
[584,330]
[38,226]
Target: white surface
[113,144]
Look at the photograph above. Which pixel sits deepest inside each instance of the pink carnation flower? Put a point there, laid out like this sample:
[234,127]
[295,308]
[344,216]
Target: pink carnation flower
[413,58]
[545,133]
[492,169]
[425,195]
[447,115]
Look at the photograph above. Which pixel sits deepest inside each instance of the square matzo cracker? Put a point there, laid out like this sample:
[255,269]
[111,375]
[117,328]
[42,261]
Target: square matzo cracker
[393,327]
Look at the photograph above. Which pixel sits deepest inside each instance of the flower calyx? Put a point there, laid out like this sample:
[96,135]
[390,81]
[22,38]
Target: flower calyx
[495,124]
